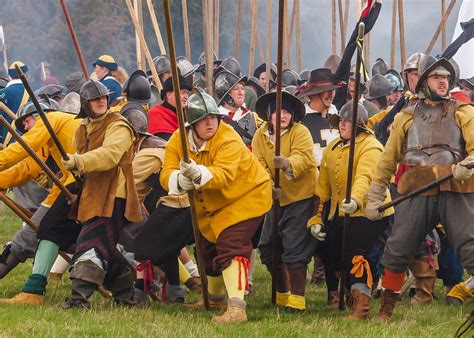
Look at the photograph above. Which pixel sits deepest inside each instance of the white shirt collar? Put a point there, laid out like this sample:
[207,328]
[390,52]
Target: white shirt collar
[192,146]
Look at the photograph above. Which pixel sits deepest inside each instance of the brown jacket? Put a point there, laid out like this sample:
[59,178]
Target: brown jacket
[100,186]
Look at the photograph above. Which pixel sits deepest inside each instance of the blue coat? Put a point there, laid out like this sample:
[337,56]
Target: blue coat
[11,96]
[113,86]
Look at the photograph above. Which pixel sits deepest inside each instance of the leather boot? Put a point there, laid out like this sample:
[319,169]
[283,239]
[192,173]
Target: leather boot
[318,276]
[333,300]
[425,278]
[387,305]
[235,313]
[216,302]
[174,294]
[361,307]
[194,284]
[25,298]
[81,292]
[8,262]
[424,290]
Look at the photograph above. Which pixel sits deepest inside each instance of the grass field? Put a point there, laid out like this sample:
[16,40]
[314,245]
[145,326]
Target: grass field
[436,320]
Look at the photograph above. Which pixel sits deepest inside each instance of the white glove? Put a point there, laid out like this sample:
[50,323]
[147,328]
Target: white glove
[317,233]
[349,208]
[190,170]
[460,170]
[185,183]
[69,164]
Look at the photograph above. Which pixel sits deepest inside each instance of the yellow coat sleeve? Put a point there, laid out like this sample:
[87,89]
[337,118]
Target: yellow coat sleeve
[364,172]
[145,163]
[257,147]
[464,117]
[302,156]
[37,137]
[118,139]
[20,173]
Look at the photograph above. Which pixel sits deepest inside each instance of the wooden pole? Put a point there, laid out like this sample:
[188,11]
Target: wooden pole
[276,180]
[259,45]
[207,8]
[183,136]
[443,30]
[237,31]
[143,44]
[187,43]
[341,26]
[8,111]
[254,5]
[350,164]
[346,18]
[137,39]
[140,20]
[333,18]
[394,33]
[440,26]
[216,26]
[156,27]
[286,39]
[74,40]
[298,36]
[268,44]
[367,51]
[401,29]
[358,10]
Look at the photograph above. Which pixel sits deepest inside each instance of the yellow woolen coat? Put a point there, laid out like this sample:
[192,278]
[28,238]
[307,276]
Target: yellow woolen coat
[65,126]
[332,180]
[239,190]
[296,144]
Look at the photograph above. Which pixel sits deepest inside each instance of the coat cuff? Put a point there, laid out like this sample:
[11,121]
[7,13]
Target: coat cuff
[173,186]
[289,173]
[206,176]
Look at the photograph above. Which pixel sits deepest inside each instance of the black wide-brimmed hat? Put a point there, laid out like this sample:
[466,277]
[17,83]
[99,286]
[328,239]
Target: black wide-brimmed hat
[263,103]
[321,80]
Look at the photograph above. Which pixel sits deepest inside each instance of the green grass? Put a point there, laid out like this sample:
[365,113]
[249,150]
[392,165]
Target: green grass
[436,320]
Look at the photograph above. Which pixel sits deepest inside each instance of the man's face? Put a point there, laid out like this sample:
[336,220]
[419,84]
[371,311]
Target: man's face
[345,128]
[237,93]
[99,105]
[389,98]
[207,127]
[183,94]
[100,71]
[325,98]
[285,119]
[412,77]
[438,84]
[29,122]
[263,79]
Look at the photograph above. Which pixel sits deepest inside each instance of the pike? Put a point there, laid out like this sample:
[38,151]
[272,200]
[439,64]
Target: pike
[420,190]
[276,203]
[74,40]
[360,42]
[182,133]
[35,157]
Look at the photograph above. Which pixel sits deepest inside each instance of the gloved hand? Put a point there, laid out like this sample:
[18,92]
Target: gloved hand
[69,164]
[276,193]
[316,231]
[281,162]
[42,180]
[185,182]
[460,170]
[349,208]
[190,170]
[375,199]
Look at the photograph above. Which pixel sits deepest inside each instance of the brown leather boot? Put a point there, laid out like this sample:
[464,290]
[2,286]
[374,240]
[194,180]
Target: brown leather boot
[387,305]
[318,276]
[235,313]
[333,300]
[361,307]
[424,290]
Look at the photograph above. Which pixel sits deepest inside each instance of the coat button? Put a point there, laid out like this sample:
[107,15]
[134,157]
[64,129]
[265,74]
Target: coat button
[201,200]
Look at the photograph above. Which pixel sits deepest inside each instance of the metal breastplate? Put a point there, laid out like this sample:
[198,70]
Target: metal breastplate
[434,138]
[247,122]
